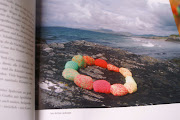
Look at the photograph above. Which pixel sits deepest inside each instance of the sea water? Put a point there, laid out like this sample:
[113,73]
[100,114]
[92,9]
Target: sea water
[156,48]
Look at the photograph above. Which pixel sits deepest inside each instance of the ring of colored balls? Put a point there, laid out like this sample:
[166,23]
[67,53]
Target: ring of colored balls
[102,86]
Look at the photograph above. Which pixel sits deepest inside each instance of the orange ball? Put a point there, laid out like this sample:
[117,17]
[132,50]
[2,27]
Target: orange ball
[112,68]
[79,60]
[89,60]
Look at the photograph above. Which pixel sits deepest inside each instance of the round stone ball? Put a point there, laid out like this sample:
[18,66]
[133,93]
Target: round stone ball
[69,74]
[131,87]
[111,67]
[101,63]
[72,65]
[130,84]
[102,86]
[129,79]
[125,72]
[118,90]
[79,60]
[84,82]
[89,60]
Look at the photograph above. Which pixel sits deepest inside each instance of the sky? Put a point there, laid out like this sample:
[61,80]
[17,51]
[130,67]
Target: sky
[134,16]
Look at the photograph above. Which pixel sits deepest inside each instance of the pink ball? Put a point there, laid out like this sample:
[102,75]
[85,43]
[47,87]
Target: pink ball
[118,90]
[102,86]
[84,81]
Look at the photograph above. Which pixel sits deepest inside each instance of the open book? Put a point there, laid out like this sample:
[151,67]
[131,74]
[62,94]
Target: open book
[41,41]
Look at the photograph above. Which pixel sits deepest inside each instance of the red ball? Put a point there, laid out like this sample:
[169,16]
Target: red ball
[102,86]
[101,63]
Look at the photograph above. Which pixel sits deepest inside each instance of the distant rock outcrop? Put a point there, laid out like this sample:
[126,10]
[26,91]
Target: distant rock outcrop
[158,81]
[173,38]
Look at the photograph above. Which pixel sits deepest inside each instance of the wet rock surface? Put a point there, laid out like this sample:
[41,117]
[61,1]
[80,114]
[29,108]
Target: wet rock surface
[158,81]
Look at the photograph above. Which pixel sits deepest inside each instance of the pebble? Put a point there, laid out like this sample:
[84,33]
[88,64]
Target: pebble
[111,67]
[130,84]
[89,60]
[72,65]
[125,72]
[129,79]
[84,82]
[79,60]
[131,87]
[69,74]
[118,90]
[101,63]
[102,86]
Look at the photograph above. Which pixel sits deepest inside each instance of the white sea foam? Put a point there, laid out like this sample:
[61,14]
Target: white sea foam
[136,39]
[148,44]
[47,84]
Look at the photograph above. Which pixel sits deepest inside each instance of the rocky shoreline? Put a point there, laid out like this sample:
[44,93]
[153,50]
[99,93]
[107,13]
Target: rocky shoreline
[173,38]
[158,81]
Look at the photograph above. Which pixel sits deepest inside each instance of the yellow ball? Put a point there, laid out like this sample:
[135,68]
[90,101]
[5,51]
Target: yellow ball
[69,74]
[125,72]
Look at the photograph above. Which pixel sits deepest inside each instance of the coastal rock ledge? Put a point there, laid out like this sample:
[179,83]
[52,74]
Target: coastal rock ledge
[158,81]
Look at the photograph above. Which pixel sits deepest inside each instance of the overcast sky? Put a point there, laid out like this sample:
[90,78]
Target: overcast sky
[135,16]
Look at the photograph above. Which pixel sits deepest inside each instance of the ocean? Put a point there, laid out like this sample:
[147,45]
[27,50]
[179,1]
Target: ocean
[156,48]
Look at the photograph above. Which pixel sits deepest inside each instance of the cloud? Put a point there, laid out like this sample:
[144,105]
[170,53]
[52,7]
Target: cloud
[138,17]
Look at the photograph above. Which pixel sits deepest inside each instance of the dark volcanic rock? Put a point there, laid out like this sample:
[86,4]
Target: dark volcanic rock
[158,81]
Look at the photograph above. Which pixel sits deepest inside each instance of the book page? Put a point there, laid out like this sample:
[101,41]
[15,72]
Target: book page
[107,60]
[165,112]
[17,53]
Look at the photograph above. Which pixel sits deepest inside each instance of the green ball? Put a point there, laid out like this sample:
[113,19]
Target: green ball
[79,60]
[69,74]
[72,65]
[178,10]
